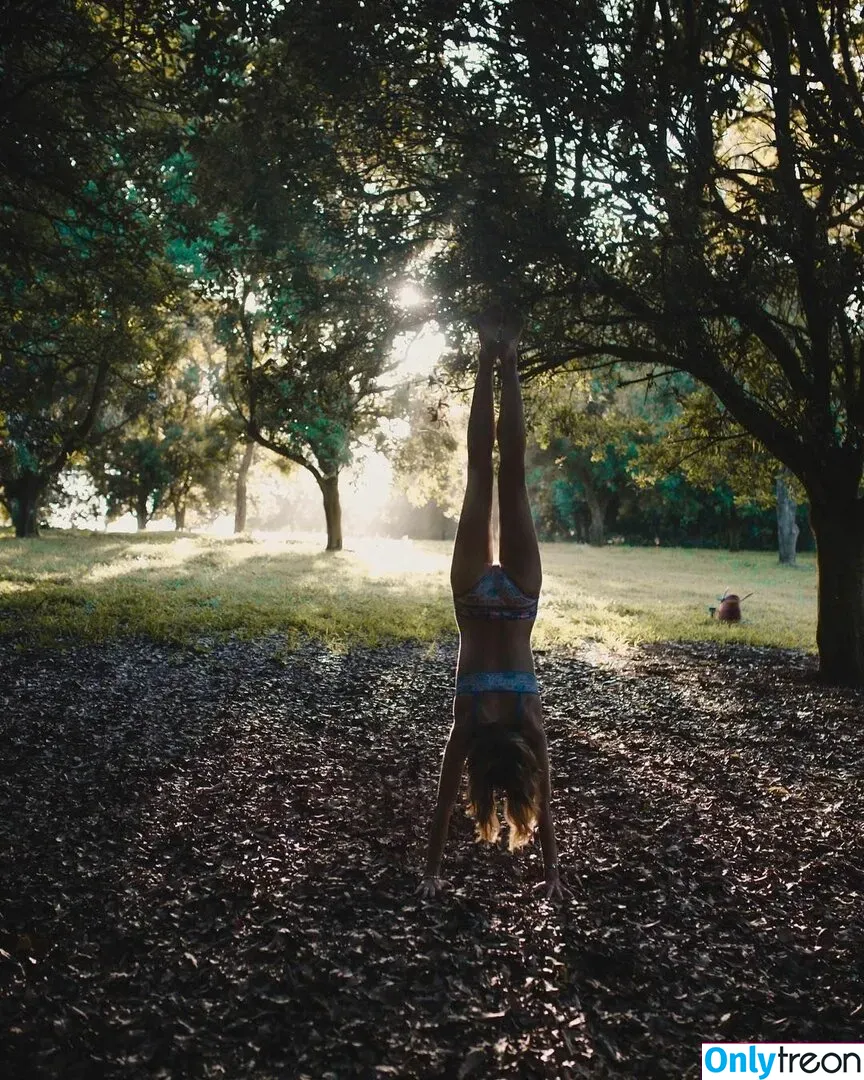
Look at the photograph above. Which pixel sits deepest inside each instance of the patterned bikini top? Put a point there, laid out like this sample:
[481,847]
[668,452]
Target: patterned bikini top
[495,596]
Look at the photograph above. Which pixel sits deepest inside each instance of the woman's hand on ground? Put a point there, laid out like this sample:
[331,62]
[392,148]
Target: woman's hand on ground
[554,887]
[430,887]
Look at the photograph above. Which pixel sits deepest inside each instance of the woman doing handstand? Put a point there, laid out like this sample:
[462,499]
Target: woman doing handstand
[497,722]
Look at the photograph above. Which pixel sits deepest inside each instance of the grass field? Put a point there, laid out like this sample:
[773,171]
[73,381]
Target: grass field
[82,587]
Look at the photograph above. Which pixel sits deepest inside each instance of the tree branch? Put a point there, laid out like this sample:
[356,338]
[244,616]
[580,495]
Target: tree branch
[75,439]
[622,383]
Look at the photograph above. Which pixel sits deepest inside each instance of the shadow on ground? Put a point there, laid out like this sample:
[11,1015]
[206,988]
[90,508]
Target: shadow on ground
[209,862]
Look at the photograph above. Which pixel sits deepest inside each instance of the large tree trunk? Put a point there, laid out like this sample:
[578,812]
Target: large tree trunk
[179,517]
[734,528]
[23,496]
[597,507]
[141,513]
[240,495]
[839,531]
[787,528]
[332,511]
[598,504]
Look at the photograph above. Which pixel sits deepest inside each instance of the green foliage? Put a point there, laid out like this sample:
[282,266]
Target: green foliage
[70,375]
[299,264]
[84,289]
[713,451]
[133,477]
[198,440]
[429,461]
[621,454]
[304,389]
[673,185]
[173,455]
[590,430]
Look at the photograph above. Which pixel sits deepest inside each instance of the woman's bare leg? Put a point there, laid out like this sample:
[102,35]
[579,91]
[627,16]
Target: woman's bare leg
[520,555]
[472,551]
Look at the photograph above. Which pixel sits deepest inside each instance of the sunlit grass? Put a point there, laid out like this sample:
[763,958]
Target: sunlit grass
[621,595]
[79,587]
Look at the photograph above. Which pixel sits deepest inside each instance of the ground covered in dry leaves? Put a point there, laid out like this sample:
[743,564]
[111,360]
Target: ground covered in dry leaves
[207,865]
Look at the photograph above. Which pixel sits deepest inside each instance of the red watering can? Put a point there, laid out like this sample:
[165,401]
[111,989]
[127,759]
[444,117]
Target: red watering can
[730,607]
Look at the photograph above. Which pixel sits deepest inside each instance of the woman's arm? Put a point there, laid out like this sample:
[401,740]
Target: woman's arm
[545,824]
[546,828]
[455,753]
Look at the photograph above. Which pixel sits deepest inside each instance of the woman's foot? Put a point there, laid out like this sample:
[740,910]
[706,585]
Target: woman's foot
[511,331]
[499,329]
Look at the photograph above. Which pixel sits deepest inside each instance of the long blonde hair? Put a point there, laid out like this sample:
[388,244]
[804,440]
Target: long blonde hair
[500,759]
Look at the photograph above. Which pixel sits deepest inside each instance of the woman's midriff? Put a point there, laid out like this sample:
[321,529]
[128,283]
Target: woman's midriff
[495,645]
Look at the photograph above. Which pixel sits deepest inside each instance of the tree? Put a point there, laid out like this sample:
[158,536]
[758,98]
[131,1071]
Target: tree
[196,446]
[135,479]
[731,146]
[240,498]
[213,449]
[717,454]
[429,461]
[593,430]
[688,177]
[317,389]
[84,290]
[174,454]
[70,374]
[787,526]
[301,266]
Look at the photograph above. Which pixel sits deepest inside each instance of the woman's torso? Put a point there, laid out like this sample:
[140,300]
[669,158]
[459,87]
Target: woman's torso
[495,621]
